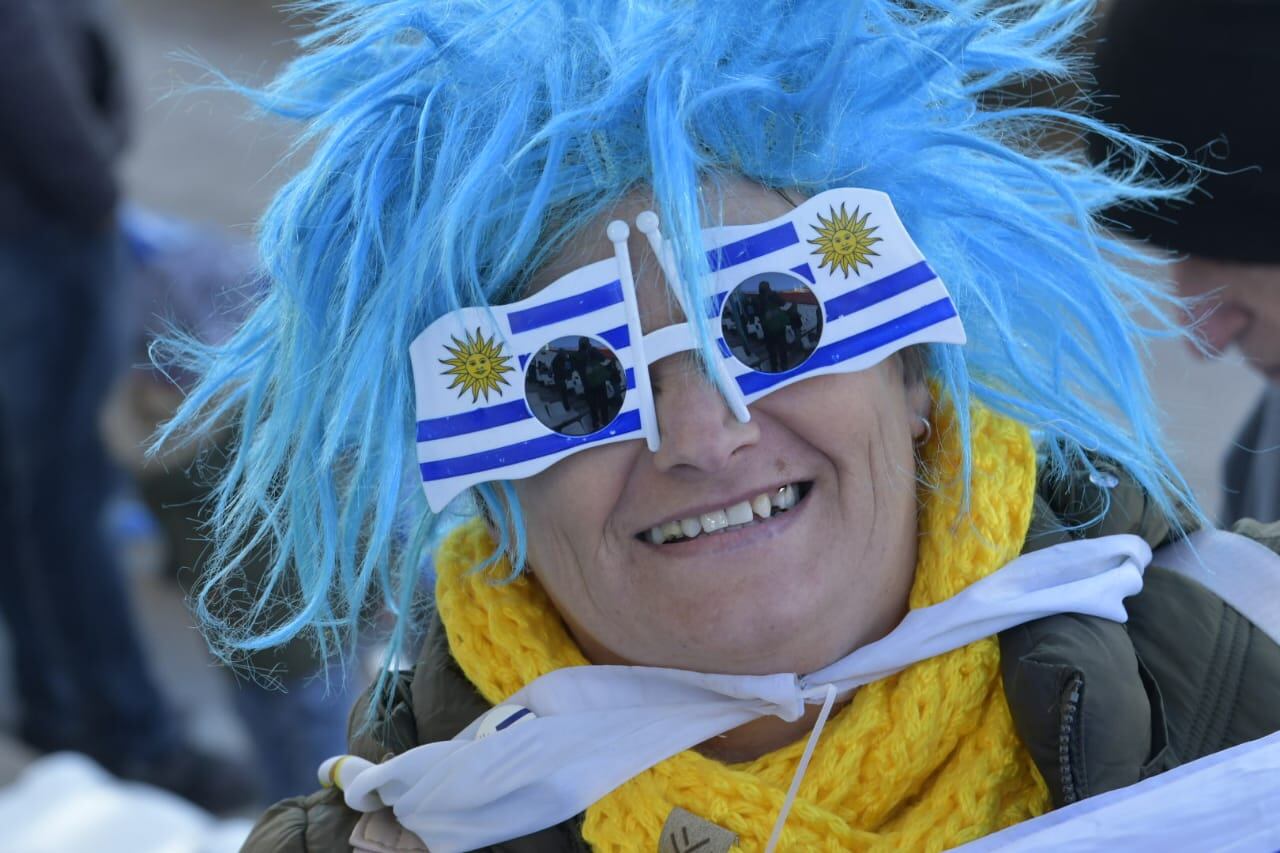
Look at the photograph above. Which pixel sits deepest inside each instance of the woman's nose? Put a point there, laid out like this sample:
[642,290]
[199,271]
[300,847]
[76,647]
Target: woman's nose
[698,430]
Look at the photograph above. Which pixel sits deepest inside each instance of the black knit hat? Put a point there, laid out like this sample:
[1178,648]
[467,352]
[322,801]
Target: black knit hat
[1192,72]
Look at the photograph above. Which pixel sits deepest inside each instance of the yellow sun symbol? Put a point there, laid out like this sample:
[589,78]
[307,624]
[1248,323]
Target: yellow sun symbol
[845,241]
[477,365]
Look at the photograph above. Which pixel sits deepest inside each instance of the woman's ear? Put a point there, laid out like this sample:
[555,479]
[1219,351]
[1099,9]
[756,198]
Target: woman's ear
[919,406]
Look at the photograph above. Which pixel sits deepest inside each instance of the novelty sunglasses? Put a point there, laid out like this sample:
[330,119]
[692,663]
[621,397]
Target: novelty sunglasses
[504,392]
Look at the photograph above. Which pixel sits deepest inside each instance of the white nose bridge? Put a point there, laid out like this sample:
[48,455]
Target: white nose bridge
[679,337]
[668,340]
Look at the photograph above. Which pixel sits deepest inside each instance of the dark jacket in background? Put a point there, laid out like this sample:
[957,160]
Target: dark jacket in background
[1251,473]
[62,116]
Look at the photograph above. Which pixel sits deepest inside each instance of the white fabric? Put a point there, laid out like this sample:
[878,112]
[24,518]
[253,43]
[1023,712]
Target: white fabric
[598,726]
[1237,569]
[65,802]
[1226,803]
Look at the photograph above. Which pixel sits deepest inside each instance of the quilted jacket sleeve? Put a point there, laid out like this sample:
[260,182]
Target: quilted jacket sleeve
[1100,704]
[316,823]
[321,822]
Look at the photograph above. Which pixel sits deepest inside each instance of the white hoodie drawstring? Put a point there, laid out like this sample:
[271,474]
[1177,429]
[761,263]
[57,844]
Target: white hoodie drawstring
[801,768]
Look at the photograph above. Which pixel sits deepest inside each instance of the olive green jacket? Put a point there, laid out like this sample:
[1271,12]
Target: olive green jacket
[1099,704]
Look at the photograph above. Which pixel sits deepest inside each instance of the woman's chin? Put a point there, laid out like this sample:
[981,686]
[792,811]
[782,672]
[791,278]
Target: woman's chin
[755,627]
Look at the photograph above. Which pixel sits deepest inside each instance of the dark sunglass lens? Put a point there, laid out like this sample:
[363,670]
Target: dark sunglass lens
[772,322]
[575,385]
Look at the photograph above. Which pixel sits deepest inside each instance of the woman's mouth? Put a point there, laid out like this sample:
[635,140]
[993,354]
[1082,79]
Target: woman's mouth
[742,514]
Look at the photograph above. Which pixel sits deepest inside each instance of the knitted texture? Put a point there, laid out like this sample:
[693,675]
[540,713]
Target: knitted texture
[924,760]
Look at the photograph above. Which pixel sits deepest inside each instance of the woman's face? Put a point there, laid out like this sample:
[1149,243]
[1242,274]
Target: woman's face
[789,593]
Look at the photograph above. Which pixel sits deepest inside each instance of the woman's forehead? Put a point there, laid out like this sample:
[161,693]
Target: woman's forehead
[725,200]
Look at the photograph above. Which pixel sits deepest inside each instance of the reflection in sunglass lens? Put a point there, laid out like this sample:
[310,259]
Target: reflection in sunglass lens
[575,385]
[772,322]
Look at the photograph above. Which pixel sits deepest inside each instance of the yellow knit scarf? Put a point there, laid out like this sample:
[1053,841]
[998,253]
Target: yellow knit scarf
[924,760]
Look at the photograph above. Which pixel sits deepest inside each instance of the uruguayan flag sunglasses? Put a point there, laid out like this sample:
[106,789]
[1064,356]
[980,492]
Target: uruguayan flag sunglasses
[504,392]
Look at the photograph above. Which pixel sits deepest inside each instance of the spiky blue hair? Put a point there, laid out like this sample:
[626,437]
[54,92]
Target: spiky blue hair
[458,144]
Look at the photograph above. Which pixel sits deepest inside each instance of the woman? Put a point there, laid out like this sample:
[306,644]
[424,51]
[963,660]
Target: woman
[801,573]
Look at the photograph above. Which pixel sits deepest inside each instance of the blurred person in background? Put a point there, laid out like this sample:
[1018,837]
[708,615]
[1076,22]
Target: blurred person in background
[1207,73]
[82,679]
[202,281]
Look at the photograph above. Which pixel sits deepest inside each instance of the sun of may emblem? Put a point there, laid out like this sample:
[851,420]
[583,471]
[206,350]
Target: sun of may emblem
[845,241]
[477,365]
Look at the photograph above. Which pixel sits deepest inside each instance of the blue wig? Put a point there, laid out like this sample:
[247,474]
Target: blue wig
[459,143]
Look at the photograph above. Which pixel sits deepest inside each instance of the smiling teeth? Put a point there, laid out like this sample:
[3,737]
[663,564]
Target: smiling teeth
[713,522]
[717,521]
[739,513]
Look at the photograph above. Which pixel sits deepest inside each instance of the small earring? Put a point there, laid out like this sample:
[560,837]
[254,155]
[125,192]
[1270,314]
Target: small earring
[928,430]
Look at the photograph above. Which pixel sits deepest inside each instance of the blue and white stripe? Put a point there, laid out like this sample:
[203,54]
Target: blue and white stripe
[461,442]
[867,315]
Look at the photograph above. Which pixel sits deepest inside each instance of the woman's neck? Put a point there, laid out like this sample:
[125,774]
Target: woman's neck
[761,737]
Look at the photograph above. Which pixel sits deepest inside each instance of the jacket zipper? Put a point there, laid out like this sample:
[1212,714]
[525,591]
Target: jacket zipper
[1066,730]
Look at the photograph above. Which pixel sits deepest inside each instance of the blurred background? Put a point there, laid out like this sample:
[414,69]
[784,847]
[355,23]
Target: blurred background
[193,169]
